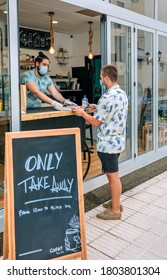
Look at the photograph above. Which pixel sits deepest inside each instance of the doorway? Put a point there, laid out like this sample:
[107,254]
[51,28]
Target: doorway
[88,78]
[93,67]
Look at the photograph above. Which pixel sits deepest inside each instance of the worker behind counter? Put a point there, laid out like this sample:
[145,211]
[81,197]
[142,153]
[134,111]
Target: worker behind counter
[38,82]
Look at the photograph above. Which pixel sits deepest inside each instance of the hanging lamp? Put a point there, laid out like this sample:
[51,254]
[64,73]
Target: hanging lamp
[90,55]
[51,49]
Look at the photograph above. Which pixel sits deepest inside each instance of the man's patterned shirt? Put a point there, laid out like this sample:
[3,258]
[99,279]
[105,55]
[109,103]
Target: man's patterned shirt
[112,109]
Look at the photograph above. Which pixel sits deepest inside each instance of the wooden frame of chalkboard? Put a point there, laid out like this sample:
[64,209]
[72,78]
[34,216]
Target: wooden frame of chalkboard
[34,39]
[44,207]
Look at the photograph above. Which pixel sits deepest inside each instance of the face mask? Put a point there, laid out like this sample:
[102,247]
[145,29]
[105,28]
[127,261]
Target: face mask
[43,70]
[101,84]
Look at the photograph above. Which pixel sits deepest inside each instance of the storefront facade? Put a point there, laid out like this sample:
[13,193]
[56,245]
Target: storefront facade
[133,37]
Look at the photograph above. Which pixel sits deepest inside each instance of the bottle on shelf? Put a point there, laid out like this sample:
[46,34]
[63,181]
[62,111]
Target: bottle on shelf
[85,103]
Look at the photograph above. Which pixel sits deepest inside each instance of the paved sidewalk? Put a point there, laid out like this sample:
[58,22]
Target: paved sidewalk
[142,232]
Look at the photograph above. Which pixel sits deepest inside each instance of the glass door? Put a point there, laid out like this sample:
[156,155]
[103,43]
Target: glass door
[121,57]
[162,90]
[4,88]
[145,92]
[131,49]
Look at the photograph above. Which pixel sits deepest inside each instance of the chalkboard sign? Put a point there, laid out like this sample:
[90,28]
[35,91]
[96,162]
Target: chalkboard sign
[34,39]
[44,185]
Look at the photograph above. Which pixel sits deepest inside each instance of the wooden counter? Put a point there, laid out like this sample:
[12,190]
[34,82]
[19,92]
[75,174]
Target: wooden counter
[1,201]
[47,112]
[1,198]
[37,115]
[48,118]
[4,127]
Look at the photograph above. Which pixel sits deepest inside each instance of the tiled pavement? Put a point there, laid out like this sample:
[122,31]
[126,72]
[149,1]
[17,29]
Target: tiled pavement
[142,232]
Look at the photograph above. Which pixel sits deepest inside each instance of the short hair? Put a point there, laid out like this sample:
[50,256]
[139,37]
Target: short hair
[41,56]
[110,71]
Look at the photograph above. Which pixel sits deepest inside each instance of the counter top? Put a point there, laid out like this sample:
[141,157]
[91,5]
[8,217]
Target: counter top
[44,113]
[1,198]
[1,202]
[4,121]
[69,90]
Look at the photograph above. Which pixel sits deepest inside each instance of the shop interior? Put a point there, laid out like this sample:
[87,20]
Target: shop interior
[74,33]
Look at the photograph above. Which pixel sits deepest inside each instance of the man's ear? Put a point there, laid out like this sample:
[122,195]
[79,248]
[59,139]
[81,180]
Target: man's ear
[107,78]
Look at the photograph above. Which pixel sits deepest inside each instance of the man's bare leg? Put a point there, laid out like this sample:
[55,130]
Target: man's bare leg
[115,190]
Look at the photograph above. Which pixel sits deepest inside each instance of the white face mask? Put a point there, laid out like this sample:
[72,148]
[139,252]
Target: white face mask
[43,70]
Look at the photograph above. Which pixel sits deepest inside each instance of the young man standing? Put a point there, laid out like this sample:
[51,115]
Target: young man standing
[110,117]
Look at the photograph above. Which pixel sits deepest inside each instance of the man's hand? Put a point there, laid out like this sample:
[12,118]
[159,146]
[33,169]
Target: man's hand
[67,102]
[93,106]
[57,106]
[78,111]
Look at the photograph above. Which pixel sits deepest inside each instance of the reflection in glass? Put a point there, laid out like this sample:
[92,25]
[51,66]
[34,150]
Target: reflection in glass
[121,58]
[143,7]
[4,88]
[162,10]
[162,92]
[144,92]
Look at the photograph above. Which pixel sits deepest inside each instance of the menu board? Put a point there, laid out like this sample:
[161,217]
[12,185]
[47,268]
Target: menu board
[45,194]
[34,39]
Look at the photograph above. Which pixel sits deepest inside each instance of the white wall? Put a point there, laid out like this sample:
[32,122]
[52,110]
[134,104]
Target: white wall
[80,47]
[77,48]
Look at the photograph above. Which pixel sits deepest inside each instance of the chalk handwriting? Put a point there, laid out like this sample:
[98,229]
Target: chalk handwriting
[35,209]
[55,207]
[23,212]
[56,249]
[67,206]
[50,161]
[45,208]
[37,183]
[64,185]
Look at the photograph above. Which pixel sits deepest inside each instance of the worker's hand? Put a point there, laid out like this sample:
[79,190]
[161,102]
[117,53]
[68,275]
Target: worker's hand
[67,102]
[57,106]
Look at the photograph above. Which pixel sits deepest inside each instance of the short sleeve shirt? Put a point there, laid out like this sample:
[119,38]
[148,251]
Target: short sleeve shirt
[111,110]
[42,83]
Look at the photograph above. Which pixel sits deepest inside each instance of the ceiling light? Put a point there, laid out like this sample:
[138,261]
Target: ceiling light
[51,49]
[54,21]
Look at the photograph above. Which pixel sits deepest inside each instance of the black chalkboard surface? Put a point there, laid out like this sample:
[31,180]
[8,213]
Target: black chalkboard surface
[48,221]
[34,39]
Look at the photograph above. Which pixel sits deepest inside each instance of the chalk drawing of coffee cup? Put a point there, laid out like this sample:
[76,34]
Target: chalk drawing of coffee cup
[72,240]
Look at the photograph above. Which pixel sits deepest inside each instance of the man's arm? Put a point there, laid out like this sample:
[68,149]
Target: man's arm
[88,118]
[34,90]
[56,94]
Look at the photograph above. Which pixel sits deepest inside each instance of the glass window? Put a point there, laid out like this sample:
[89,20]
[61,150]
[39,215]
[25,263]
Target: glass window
[145,91]
[162,11]
[4,87]
[162,91]
[121,58]
[143,7]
